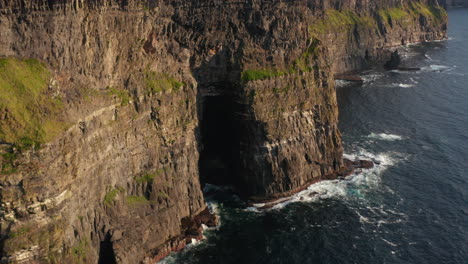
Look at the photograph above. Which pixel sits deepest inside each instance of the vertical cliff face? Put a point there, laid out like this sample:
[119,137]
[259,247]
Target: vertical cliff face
[133,103]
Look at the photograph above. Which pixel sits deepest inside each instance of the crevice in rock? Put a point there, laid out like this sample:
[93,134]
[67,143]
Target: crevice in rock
[106,251]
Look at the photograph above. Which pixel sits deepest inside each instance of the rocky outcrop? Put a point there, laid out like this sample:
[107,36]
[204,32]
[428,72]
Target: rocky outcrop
[111,172]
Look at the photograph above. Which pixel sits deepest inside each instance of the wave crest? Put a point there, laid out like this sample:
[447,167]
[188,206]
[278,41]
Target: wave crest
[384,136]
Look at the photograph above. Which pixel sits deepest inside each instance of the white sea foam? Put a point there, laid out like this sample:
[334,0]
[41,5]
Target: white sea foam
[342,83]
[401,85]
[405,72]
[404,85]
[214,209]
[390,243]
[407,53]
[355,186]
[384,136]
[441,40]
[349,156]
[436,68]
[370,76]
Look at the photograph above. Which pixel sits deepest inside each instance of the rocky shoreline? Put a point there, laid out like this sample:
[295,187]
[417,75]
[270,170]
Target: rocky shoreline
[193,228]
[348,170]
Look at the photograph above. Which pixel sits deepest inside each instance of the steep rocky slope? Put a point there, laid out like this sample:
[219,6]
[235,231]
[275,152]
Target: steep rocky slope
[107,106]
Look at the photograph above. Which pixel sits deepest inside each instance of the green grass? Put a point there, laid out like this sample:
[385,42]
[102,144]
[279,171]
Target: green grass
[79,251]
[19,232]
[146,177]
[29,115]
[435,14]
[121,94]
[343,20]
[305,62]
[393,14]
[414,10]
[110,196]
[302,64]
[8,161]
[157,82]
[339,21]
[260,74]
[137,200]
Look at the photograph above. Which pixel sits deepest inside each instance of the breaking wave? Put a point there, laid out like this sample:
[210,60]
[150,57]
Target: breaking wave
[436,68]
[356,186]
[342,83]
[384,136]
[404,85]
[371,76]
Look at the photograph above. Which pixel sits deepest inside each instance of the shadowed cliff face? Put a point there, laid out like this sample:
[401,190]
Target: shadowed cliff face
[150,94]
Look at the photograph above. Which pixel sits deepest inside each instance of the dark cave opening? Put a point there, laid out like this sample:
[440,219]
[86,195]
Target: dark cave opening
[106,251]
[220,141]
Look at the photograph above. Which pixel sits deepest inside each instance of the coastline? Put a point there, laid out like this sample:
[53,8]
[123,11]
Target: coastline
[193,229]
[349,169]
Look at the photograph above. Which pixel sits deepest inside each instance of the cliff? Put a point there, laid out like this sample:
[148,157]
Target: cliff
[112,113]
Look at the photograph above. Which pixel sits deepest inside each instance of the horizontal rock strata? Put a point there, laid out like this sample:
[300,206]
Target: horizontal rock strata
[102,111]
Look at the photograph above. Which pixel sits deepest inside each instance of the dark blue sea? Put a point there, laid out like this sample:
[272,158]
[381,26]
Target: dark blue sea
[411,208]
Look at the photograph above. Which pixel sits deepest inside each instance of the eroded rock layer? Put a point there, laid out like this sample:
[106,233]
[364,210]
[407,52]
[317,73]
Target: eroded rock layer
[100,153]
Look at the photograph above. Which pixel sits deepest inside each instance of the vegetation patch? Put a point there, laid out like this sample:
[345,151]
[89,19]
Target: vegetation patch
[9,161]
[339,21]
[46,237]
[260,74]
[79,251]
[146,177]
[137,200]
[391,15]
[436,14]
[414,10]
[29,115]
[305,63]
[110,196]
[157,82]
[21,231]
[335,21]
[120,94]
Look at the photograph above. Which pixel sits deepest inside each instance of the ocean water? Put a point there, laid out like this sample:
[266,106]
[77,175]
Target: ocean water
[411,208]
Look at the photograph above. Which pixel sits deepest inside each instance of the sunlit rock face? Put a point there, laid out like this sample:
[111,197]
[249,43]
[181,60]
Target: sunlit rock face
[153,97]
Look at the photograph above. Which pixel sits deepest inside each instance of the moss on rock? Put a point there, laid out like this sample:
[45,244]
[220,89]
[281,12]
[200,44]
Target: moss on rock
[157,82]
[28,115]
[339,21]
